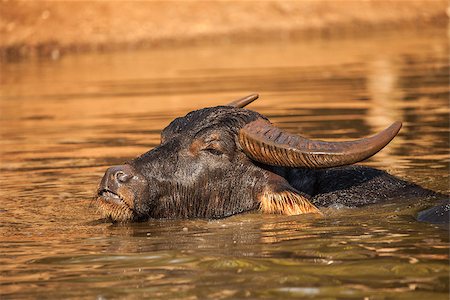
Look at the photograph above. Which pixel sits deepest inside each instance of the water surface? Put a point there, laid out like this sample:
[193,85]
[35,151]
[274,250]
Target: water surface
[62,123]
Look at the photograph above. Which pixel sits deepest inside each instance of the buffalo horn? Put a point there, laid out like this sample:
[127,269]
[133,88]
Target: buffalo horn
[240,103]
[265,143]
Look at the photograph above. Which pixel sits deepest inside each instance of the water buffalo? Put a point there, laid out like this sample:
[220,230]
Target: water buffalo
[220,161]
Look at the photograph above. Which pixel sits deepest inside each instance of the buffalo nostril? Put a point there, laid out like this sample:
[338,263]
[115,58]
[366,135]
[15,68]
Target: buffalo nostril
[122,177]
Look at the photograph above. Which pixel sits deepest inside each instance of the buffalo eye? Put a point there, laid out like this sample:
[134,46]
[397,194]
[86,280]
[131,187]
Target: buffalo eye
[213,151]
[211,144]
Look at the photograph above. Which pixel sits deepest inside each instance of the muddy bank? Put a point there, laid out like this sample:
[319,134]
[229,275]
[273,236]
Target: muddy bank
[51,28]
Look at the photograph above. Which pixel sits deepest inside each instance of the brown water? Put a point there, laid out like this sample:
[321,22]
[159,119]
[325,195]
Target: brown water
[62,123]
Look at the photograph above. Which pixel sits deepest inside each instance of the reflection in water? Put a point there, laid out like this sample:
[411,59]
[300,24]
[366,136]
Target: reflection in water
[62,123]
[385,97]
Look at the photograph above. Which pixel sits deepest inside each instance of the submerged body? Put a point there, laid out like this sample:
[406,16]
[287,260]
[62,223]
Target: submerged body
[351,186]
[220,161]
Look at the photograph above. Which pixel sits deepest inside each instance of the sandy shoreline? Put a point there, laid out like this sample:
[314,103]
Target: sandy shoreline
[52,28]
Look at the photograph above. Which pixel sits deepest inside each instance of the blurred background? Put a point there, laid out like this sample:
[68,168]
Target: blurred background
[51,28]
[89,84]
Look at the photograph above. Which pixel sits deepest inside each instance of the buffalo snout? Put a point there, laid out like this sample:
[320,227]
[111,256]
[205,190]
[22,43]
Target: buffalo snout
[118,192]
[116,176]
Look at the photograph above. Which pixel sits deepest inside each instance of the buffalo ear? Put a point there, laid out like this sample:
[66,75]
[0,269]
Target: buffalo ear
[278,197]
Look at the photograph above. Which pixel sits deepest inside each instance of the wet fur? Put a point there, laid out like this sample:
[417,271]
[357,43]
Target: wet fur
[193,185]
[200,171]
[351,186]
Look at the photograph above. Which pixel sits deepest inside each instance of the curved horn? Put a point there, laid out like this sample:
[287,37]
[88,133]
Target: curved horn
[240,103]
[266,143]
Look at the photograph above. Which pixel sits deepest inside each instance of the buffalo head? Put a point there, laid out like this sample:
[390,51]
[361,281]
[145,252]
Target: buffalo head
[219,161]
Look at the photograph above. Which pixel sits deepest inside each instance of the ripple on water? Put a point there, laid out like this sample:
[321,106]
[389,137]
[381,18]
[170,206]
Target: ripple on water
[64,123]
